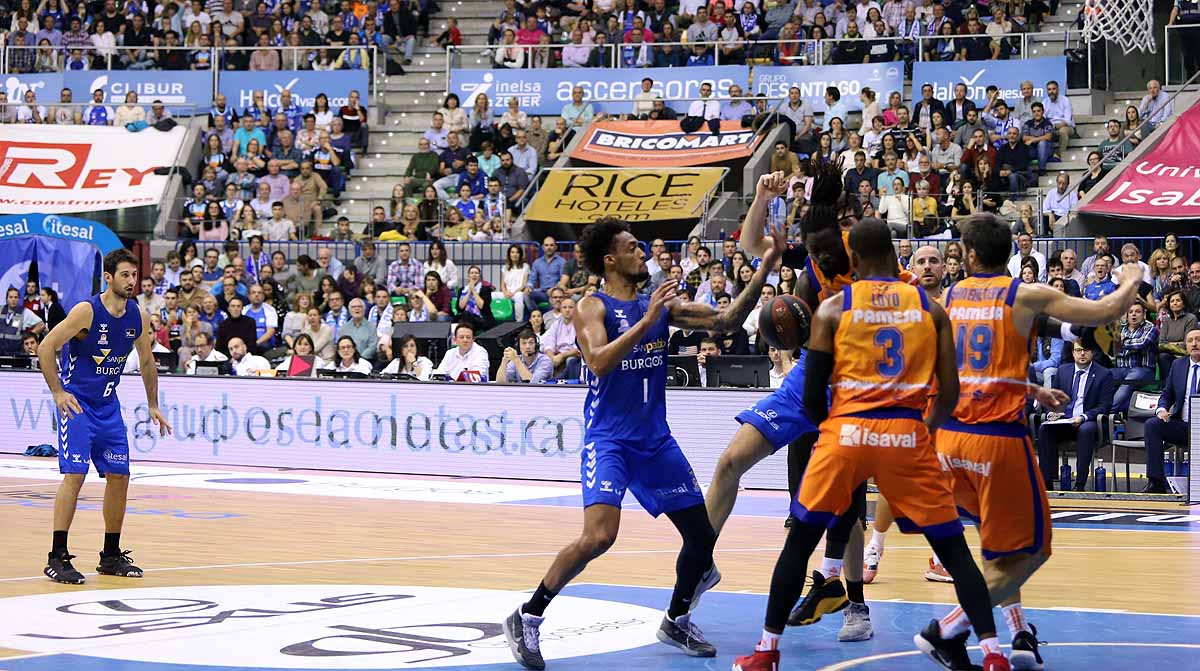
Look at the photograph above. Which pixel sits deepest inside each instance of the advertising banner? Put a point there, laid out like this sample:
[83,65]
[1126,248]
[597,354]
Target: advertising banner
[16,255]
[662,143]
[499,431]
[45,87]
[239,87]
[774,81]
[84,168]
[579,196]
[176,87]
[978,75]
[70,268]
[1164,183]
[545,91]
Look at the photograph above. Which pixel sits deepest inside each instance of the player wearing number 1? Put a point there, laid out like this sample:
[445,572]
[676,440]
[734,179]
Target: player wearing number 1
[95,339]
[627,443]
[985,444]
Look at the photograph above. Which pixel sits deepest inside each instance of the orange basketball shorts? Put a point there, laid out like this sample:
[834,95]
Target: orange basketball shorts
[894,447]
[997,484]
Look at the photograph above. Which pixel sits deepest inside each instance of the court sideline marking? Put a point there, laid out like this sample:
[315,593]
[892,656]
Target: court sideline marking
[517,555]
[852,663]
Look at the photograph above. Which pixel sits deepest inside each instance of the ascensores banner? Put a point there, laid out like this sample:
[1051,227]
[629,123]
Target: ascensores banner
[1164,183]
[978,75]
[579,196]
[545,91]
[662,143]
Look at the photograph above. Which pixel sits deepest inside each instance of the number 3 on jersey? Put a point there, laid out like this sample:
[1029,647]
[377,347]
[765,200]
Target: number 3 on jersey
[892,342]
[974,347]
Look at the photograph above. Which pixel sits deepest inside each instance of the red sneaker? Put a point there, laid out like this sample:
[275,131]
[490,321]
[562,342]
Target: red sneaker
[937,572]
[767,661]
[996,662]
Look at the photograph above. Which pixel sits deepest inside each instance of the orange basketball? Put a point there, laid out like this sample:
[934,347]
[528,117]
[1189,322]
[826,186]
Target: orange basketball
[784,322]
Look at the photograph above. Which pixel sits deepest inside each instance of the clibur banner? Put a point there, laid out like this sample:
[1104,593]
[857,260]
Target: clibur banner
[501,431]
[239,87]
[774,81]
[545,91]
[177,88]
[978,75]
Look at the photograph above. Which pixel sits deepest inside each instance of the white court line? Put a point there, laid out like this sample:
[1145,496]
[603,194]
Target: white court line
[517,555]
[852,663]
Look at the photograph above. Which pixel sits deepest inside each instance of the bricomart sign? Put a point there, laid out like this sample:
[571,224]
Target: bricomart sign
[584,195]
[662,143]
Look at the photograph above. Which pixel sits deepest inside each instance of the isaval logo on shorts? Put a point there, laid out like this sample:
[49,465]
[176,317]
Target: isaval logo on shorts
[856,435]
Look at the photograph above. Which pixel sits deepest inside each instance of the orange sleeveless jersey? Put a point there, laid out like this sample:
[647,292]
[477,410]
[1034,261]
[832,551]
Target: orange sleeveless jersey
[830,286]
[884,348]
[993,358]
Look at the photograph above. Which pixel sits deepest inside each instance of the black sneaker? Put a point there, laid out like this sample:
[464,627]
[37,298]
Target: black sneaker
[119,565]
[950,653]
[59,569]
[827,595]
[521,631]
[1025,655]
[682,634]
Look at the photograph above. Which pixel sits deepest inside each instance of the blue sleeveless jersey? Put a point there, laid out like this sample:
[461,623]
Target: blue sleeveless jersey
[630,403]
[91,368]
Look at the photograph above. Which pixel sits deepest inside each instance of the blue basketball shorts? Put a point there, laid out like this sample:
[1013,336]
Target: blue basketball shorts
[660,478]
[95,437]
[780,417]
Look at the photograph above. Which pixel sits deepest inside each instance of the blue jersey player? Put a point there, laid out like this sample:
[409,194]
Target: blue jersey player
[95,339]
[627,443]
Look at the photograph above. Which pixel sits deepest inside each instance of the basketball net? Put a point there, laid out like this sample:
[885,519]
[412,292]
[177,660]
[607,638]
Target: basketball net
[1129,23]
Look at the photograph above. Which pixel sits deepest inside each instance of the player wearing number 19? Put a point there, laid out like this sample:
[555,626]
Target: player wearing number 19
[985,444]
[627,443]
[95,339]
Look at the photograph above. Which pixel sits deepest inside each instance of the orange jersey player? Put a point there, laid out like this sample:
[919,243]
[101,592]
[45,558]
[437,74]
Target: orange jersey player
[986,445]
[879,345]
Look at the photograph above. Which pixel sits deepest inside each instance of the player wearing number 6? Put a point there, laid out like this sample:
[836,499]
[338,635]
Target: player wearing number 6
[985,444]
[95,339]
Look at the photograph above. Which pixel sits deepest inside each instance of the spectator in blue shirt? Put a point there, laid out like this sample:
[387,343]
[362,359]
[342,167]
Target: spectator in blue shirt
[1104,284]
[527,365]
[474,178]
[546,271]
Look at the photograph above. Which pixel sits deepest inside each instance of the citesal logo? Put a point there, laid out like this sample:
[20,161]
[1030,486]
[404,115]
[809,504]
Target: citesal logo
[310,626]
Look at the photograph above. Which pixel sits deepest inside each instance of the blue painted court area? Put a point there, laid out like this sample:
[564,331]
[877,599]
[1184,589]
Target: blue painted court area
[1081,640]
[1123,515]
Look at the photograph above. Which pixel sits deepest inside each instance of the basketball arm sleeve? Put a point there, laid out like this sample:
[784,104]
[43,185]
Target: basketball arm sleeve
[1049,327]
[818,370]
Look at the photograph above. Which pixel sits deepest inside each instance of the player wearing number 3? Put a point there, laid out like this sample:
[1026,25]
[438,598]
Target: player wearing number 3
[95,340]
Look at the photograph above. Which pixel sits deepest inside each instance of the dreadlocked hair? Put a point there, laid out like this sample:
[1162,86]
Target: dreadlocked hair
[826,193]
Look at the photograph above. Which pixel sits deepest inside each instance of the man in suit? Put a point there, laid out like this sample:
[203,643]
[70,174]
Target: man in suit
[1170,423]
[1090,388]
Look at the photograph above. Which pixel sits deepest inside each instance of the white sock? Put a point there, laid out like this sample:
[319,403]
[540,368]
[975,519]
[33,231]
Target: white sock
[877,538]
[990,646]
[768,642]
[831,568]
[954,623]
[1015,619]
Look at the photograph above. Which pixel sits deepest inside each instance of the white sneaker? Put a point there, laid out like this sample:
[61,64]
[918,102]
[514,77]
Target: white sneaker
[871,558]
[856,623]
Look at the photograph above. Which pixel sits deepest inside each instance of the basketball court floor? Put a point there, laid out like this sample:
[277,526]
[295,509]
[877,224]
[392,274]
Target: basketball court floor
[275,569]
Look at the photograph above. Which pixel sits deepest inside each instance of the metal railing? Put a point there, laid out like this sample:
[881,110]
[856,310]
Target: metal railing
[809,52]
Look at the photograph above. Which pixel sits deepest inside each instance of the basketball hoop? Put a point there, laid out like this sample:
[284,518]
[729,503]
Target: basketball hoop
[1129,23]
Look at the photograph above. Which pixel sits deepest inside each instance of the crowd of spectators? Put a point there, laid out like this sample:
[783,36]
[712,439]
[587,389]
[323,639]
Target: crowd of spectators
[60,35]
[658,33]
